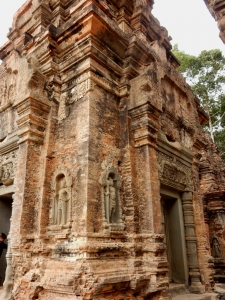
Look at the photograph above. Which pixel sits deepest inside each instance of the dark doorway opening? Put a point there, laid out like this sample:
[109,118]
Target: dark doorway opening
[5,215]
[175,237]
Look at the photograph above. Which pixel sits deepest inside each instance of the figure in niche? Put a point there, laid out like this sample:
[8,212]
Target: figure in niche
[6,174]
[1,95]
[110,207]
[60,212]
[111,182]
[63,111]
[49,88]
[11,93]
[215,246]
[62,203]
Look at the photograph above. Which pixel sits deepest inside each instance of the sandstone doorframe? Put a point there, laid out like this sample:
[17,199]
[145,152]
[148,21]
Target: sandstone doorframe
[175,235]
[174,166]
[8,279]
[5,215]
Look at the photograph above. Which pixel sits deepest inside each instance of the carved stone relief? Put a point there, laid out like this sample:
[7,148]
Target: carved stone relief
[7,168]
[173,172]
[186,138]
[50,90]
[7,98]
[63,109]
[215,247]
[111,183]
[7,86]
[125,27]
[60,213]
[4,125]
[195,180]
[53,88]
[148,87]
[77,88]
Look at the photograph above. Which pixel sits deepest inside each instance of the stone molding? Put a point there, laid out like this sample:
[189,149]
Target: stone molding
[145,124]
[78,86]
[32,120]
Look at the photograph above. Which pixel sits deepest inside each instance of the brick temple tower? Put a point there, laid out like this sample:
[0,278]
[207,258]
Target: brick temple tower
[101,147]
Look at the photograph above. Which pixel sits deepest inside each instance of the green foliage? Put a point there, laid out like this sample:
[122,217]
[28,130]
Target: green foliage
[205,74]
[219,140]
[183,58]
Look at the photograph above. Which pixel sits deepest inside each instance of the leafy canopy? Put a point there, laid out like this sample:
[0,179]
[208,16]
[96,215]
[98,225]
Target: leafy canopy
[205,74]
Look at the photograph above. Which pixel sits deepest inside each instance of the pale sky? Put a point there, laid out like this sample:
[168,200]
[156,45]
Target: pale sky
[188,22]
[7,10]
[190,25]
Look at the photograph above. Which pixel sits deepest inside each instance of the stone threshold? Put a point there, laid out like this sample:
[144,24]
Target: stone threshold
[180,292]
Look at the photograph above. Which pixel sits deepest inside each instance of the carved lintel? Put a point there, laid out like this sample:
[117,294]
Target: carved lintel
[174,173]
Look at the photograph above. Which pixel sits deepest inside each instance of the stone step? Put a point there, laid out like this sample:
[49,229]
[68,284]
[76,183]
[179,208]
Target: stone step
[176,289]
[205,296]
[219,293]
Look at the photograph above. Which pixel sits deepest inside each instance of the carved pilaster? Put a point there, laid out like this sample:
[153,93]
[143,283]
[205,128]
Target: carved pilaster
[32,127]
[145,127]
[191,242]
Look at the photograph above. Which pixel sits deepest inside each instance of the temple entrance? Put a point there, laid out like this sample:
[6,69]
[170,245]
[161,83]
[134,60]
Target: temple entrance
[5,215]
[174,236]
